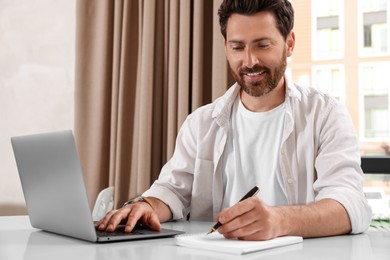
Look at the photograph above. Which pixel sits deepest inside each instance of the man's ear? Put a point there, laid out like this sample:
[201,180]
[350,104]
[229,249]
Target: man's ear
[290,42]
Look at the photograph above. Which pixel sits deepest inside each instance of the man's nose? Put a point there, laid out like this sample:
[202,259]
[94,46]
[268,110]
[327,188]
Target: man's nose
[250,59]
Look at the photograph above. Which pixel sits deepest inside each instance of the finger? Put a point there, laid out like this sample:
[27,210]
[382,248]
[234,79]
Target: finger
[152,221]
[238,227]
[261,228]
[255,231]
[248,232]
[134,215]
[237,210]
[221,213]
[101,224]
[104,219]
[117,218]
[143,212]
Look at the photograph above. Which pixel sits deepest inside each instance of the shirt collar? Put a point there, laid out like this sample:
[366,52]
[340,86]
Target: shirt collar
[291,88]
[224,104]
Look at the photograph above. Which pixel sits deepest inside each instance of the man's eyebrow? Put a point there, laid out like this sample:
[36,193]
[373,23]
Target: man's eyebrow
[254,41]
[261,39]
[235,42]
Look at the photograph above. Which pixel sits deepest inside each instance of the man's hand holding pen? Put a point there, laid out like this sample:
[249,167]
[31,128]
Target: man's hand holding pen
[250,219]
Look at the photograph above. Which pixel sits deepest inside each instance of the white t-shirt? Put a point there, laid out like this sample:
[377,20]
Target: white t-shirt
[251,155]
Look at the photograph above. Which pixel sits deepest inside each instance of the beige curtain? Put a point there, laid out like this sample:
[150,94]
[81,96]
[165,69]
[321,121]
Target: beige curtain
[142,66]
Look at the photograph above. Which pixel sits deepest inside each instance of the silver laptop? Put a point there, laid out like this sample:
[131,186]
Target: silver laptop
[53,187]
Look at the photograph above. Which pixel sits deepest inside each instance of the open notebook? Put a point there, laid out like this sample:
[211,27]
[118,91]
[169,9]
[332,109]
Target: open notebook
[216,242]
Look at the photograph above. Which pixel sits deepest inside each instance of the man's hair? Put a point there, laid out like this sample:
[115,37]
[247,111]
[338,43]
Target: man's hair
[281,9]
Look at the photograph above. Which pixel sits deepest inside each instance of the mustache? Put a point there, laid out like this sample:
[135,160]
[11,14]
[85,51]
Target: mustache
[254,69]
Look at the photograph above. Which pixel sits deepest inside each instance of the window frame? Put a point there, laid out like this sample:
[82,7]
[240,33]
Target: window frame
[362,121]
[316,56]
[362,52]
[341,68]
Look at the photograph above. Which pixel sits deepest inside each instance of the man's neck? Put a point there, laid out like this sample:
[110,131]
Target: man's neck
[266,102]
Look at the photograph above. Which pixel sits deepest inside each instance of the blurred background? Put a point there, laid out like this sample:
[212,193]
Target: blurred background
[342,48]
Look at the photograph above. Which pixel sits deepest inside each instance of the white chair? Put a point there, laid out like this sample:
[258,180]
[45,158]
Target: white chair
[103,204]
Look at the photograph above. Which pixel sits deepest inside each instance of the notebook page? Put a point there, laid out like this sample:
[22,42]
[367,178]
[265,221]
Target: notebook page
[217,242]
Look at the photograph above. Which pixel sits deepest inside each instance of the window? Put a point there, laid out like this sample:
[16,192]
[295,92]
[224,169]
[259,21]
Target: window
[374,35]
[349,59]
[37,40]
[328,31]
[375,119]
[373,5]
[330,79]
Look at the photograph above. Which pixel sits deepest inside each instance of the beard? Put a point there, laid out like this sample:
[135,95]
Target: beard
[266,85]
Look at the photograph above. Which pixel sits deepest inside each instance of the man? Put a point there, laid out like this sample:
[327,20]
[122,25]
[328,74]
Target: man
[296,144]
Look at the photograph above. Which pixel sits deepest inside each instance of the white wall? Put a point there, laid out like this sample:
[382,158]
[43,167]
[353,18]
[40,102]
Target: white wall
[37,45]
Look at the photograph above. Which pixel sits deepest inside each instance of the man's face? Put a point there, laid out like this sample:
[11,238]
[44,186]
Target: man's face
[257,52]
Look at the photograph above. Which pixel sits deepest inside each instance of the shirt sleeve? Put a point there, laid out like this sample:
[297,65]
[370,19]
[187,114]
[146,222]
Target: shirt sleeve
[340,176]
[174,184]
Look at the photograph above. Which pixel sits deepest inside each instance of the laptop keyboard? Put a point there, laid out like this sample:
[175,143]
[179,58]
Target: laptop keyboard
[121,232]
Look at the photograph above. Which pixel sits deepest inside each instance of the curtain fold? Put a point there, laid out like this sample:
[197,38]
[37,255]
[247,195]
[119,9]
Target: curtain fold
[93,77]
[141,67]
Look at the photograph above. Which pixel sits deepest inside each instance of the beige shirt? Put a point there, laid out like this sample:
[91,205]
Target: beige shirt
[319,158]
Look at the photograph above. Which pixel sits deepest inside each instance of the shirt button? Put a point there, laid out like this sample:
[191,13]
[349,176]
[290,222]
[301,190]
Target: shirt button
[290,180]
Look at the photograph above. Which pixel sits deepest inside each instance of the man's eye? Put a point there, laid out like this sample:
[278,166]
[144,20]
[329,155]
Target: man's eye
[237,48]
[263,45]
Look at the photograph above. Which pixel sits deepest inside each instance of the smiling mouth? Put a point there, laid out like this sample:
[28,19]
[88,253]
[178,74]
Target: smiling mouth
[255,76]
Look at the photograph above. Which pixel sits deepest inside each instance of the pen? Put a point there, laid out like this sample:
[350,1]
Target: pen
[251,193]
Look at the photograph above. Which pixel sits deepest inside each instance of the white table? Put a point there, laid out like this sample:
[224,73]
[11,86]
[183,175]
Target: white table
[18,240]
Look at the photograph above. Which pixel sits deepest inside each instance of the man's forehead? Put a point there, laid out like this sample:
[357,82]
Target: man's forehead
[255,27]
[256,18]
